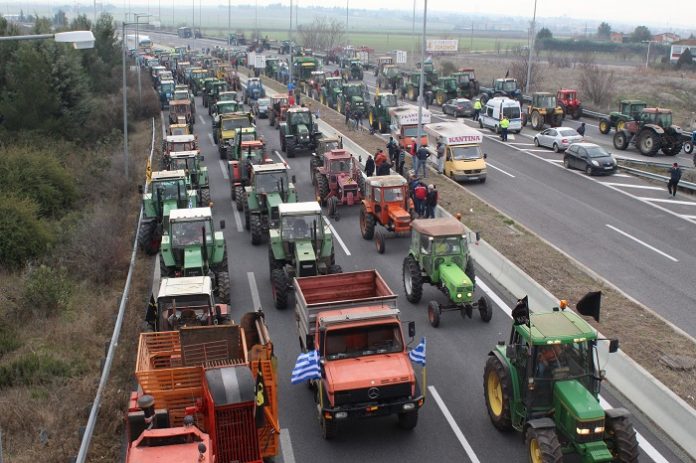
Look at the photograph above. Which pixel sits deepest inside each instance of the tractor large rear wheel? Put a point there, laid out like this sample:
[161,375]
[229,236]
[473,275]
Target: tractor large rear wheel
[256,230]
[382,126]
[537,121]
[621,440]
[412,279]
[322,189]
[367,224]
[149,238]
[673,149]
[239,198]
[279,285]
[604,126]
[498,393]
[543,445]
[223,287]
[620,140]
[648,142]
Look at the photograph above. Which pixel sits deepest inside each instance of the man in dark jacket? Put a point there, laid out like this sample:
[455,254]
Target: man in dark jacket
[383,168]
[674,177]
[431,202]
[581,129]
[420,159]
[392,149]
[369,166]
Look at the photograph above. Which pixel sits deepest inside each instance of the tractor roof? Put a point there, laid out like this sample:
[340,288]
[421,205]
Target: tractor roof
[441,226]
[633,102]
[307,207]
[192,213]
[228,93]
[338,154]
[557,328]
[183,286]
[298,109]
[167,81]
[184,154]
[168,174]
[275,166]
[541,94]
[383,181]
[568,90]
[657,110]
[180,138]
[252,144]
[179,102]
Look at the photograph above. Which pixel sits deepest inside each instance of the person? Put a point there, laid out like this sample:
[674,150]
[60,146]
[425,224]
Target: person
[380,158]
[581,129]
[297,97]
[420,195]
[477,109]
[393,86]
[674,177]
[383,168]
[358,119]
[431,202]
[347,109]
[440,157]
[369,166]
[422,155]
[504,124]
[393,149]
[401,159]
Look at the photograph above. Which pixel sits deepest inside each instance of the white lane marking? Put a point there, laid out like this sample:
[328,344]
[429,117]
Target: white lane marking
[453,424]
[212,140]
[538,150]
[488,163]
[282,159]
[652,248]
[338,237]
[223,168]
[628,185]
[237,219]
[555,160]
[286,446]
[669,201]
[523,144]
[255,298]
[200,118]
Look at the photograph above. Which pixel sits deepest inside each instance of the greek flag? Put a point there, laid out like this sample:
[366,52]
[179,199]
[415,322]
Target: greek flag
[306,368]
[417,355]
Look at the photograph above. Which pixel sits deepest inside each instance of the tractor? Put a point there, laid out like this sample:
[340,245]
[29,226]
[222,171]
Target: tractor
[543,110]
[378,114]
[192,247]
[166,93]
[184,302]
[324,145]
[254,90]
[299,131]
[467,83]
[196,173]
[410,87]
[312,86]
[197,80]
[268,188]
[382,62]
[501,87]
[439,254]
[629,110]
[239,170]
[545,383]
[285,47]
[213,95]
[651,132]
[302,67]
[331,91]
[178,129]
[227,130]
[220,108]
[386,203]
[338,180]
[353,70]
[276,111]
[301,244]
[181,108]
[181,92]
[229,97]
[356,93]
[272,65]
[389,78]
[167,193]
[569,102]
[207,89]
[446,89]
[174,143]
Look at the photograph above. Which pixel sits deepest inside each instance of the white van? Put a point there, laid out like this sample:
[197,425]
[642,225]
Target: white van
[493,112]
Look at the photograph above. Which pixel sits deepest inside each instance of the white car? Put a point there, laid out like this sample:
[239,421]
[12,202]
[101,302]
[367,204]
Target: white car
[558,138]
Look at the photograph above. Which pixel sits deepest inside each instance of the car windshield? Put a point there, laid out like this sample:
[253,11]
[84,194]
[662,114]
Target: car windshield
[342,165]
[190,232]
[448,245]
[567,132]
[231,124]
[596,152]
[393,194]
[269,182]
[511,112]
[563,362]
[181,146]
[169,189]
[510,86]
[301,118]
[363,340]
[465,153]
[294,228]
[388,100]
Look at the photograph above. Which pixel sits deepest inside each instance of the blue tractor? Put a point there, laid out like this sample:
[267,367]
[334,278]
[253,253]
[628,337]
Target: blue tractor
[254,90]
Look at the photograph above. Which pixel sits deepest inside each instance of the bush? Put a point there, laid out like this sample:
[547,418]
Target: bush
[8,340]
[597,84]
[24,236]
[47,291]
[34,369]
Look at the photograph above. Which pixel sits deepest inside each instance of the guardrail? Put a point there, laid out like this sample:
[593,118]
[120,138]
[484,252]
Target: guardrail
[113,344]
[642,173]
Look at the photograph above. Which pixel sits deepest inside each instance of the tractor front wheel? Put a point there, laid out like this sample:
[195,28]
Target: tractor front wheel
[620,140]
[332,207]
[604,126]
[367,224]
[485,309]
[537,121]
[673,149]
[380,242]
[412,279]
[434,312]
[498,393]
[290,149]
[279,285]
[256,230]
[543,445]
[382,127]
[577,113]
[621,440]
[223,287]
[688,147]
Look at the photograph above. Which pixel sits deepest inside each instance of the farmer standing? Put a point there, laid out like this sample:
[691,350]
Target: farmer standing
[674,177]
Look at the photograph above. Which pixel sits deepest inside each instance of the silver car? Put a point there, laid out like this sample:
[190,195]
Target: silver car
[558,139]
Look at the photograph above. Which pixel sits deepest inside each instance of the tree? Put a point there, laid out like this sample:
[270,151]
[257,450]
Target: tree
[604,31]
[686,60]
[641,34]
[544,34]
[60,19]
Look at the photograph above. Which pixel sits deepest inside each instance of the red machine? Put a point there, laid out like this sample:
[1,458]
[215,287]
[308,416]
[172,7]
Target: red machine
[337,180]
[568,100]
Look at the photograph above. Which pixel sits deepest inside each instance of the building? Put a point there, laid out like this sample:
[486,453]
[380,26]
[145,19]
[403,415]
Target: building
[679,47]
[617,37]
[666,38]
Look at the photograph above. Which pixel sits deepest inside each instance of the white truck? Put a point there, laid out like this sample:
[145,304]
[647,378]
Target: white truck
[404,126]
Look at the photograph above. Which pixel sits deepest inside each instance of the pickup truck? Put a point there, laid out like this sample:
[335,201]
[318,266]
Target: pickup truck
[352,321]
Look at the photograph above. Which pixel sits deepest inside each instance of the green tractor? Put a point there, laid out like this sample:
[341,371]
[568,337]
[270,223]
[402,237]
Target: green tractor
[629,110]
[446,89]
[192,247]
[331,91]
[356,93]
[467,83]
[410,87]
[212,90]
[268,188]
[200,83]
[389,77]
[299,131]
[439,255]
[272,66]
[302,67]
[378,115]
[353,70]
[300,245]
[545,384]
[167,192]
[196,173]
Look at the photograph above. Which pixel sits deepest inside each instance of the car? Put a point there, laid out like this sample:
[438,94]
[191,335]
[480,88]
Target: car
[558,138]
[260,107]
[591,158]
[458,107]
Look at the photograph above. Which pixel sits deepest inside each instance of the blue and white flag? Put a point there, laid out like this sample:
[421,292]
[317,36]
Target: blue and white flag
[417,355]
[306,368]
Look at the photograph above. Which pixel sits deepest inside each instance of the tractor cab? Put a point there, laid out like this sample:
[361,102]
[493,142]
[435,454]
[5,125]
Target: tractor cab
[174,143]
[181,93]
[357,95]
[227,130]
[224,107]
[632,108]
[227,95]
[353,70]
[387,203]
[270,179]
[334,83]
[303,235]
[544,100]
[178,129]
[465,75]
[507,86]
[385,100]
[254,89]
[245,134]
[269,187]
[338,180]
[543,110]
[657,116]
[166,92]
[448,84]
[317,78]
[187,301]
[181,108]
[196,173]
[167,192]
[569,101]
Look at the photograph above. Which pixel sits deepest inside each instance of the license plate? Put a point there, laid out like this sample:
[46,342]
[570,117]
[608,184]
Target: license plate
[608,168]
[473,178]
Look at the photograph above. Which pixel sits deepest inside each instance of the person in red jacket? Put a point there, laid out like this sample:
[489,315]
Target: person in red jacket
[380,158]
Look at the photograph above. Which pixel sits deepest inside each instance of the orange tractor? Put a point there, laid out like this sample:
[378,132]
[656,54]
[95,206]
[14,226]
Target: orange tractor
[337,179]
[208,393]
[386,203]
[277,109]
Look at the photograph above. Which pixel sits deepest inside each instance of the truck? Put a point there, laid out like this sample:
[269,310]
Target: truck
[463,157]
[352,321]
[404,126]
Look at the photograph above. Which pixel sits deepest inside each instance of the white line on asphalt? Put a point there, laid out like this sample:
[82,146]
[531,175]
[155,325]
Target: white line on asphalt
[338,238]
[201,119]
[223,168]
[164,128]
[453,424]
[499,169]
[628,185]
[255,298]
[622,175]
[652,248]
[237,219]
[670,201]
[537,150]
[212,140]
[286,446]
[523,144]
[282,159]
[555,160]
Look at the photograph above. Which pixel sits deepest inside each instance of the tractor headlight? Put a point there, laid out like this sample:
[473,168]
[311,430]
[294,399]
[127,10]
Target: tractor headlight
[468,294]
[583,431]
[459,295]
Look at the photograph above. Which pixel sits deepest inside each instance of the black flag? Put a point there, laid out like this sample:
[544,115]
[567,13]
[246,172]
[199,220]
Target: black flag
[507,73]
[520,314]
[589,305]
[260,399]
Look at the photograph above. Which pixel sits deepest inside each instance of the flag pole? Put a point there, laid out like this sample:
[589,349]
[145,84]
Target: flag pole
[425,386]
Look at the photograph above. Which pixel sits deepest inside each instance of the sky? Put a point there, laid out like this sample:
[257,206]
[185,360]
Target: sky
[680,13]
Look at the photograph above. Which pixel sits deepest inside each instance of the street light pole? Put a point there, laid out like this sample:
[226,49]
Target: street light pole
[125,104]
[647,57]
[531,49]
[291,48]
[229,20]
[347,34]
[137,44]
[421,79]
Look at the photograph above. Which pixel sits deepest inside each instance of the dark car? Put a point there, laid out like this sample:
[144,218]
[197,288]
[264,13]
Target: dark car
[591,158]
[260,108]
[458,107]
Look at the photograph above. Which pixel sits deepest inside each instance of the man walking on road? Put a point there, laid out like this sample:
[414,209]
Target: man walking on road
[504,124]
[674,177]
[477,109]
[581,129]
[420,196]
[392,149]
[420,159]
[431,202]
[347,110]
[369,166]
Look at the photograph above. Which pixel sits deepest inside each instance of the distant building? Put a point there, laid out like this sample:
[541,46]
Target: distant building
[679,47]
[666,38]
[13,18]
[617,37]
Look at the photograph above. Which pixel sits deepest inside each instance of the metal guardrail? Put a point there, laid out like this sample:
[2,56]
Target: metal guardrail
[113,344]
[641,162]
[641,173]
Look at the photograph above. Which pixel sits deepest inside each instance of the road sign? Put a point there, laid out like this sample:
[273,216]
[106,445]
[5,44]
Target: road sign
[442,45]
[401,57]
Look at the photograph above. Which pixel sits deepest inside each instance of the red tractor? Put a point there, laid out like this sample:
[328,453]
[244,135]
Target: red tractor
[239,171]
[568,100]
[277,109]
[387,203]
[338,180]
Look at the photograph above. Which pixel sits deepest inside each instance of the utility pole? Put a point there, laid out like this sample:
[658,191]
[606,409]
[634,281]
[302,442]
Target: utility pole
[531,50]
[125,103]
[347,34]
[471,43]
[419,133]
[413,31]
[193,29]
[229,20]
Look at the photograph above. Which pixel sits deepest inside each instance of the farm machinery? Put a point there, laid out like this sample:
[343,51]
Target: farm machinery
[568,100]
[543,110]
[651,132]
[331,90]
[378,113]
[501,87]
[338,180]
[299,131]
[240,169]
[629,110]
[386,203]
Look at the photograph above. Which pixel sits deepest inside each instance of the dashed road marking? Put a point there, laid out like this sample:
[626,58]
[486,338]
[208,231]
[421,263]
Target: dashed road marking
[200,118]
[668,201]
[453,424]
[337,236]
[499,169]
[255,298]
[237,219]
[223,168]
[282,159]
[286,446]
[212,140]
[643,243]
[629,185]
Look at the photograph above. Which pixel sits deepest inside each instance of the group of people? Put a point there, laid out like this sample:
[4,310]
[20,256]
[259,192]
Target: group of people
[424,197]
[381,165]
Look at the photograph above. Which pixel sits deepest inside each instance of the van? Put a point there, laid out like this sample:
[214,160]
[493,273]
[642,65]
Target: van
[464,160]
[493,112]
[404,126]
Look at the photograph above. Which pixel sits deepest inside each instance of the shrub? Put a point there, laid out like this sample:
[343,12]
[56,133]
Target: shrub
[47,291]
[8,340]
[24,236]
[34,369]
[596,83]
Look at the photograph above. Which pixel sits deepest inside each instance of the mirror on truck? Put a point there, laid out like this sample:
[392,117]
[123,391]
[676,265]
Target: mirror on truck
[411,329]
[613,345]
